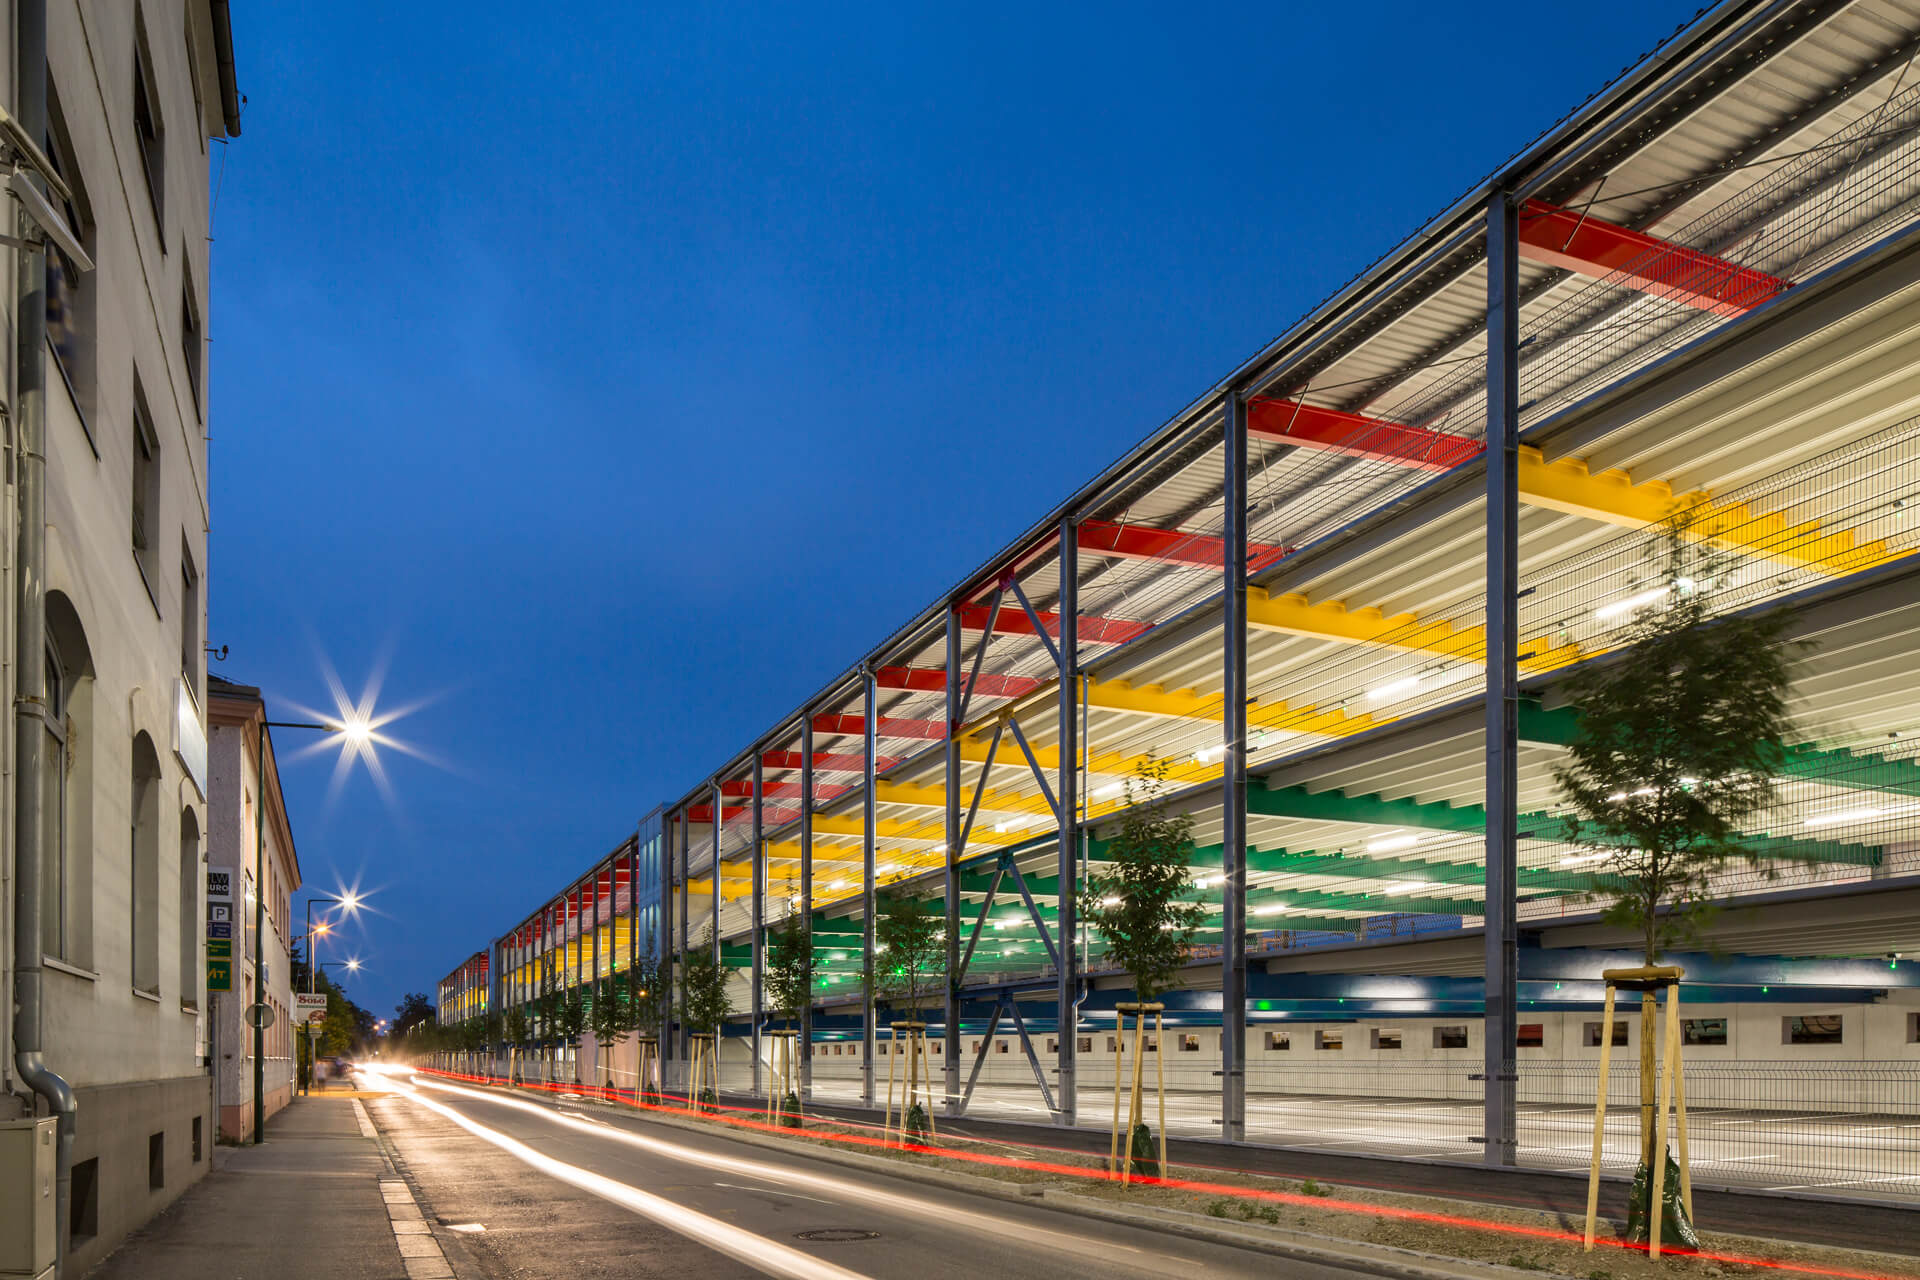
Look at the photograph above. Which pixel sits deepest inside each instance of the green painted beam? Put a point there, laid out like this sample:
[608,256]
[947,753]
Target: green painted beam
[1376,810]
[1832,766]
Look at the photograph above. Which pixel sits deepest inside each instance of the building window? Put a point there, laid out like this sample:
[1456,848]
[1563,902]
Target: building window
[192,613]
[1189,1044]
[1329,1039]
[1450,1037]
[1590,1034]
[1279,1041]
[999,1046]
[1086,1044]
[1812,1029]
[144,869]
[1530,1035]
[157,1161]
[1703,1031]
[189,908]
[191,343]
[70,291]
[146,489]
[83,1202]
[1386,1039]
[150,133]
[1053,1044]
[66,901]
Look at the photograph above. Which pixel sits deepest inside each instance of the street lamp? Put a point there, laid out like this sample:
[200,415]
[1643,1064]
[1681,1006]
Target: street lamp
[348,902]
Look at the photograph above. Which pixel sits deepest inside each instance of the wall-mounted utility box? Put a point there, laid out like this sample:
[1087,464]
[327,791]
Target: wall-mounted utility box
[28,1242]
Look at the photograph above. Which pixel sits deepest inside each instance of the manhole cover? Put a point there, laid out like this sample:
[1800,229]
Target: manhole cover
[837,1235]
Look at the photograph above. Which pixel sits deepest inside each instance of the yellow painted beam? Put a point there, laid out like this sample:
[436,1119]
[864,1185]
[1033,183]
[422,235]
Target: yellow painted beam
[1566,484]
[1292,614]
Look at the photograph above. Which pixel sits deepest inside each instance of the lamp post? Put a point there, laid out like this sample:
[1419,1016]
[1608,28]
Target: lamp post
[356,732]
[349,903]
[351,965]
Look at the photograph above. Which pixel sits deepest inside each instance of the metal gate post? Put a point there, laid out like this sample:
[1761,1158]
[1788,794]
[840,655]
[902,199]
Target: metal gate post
[868,739]
[1065,931]
[1233,790]
[1502,691]
[951,881]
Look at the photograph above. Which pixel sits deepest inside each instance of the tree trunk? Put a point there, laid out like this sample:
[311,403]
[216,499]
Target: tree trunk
[1648,1033]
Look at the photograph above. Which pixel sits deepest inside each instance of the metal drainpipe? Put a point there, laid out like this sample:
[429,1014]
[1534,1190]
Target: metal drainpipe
[30,668]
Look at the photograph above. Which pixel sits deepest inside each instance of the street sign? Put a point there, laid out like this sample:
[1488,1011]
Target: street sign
[219,974]
[219,948]
[220,887]
[221,930]
[259,1015]
[305,1003]
[220,912]
[317,1017]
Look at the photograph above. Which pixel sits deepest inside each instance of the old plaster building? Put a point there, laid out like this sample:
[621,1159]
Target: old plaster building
[106,791]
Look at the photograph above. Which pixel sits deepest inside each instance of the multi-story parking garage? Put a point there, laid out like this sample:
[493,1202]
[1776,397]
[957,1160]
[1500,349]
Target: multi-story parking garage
[1341,593]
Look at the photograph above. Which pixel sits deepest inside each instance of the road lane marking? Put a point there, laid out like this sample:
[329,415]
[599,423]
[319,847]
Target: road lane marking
[420,1253]
[918,1207]
[775,1191]
[758,1252]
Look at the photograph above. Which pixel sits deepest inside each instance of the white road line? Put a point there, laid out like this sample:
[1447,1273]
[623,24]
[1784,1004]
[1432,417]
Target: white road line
[773,1191]
[420,1253]
[758,1252]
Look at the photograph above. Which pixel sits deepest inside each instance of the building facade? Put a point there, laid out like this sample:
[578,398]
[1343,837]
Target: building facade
[106,427]
[239,833]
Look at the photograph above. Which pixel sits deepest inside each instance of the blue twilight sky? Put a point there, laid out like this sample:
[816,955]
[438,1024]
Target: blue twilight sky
[610,375]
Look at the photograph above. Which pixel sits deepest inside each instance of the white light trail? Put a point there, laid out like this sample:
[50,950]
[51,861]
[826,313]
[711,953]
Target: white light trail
[809,1177]
[758,1252]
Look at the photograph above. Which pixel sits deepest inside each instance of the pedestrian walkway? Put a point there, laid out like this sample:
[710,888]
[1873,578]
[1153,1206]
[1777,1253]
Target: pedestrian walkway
[318,1199]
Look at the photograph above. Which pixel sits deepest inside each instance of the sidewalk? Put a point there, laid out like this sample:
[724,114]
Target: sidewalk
[312,1201]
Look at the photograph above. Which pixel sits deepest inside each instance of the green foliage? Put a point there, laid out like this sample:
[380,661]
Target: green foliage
[570,1014]
[414,1008]
[611,1016]
[1678,745]
[1145,1157]
[517,1031]
[787,970]
[1218,1208]
[911,940]
[1312,1188]
[647,998]
[705,1003]
[1138,907]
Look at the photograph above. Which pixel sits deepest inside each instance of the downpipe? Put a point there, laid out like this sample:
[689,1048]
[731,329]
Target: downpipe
[30,690]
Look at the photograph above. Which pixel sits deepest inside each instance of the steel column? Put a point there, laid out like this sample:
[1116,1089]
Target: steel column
[713,914]
[1065,930]
[1233,790]
[1502,688]
[759,862]
[685,823]
[950,1032]
[806,899]
[867,889]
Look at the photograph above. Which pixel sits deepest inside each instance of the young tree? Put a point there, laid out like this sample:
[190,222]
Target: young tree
[1140,909]
[611,1018]
[516,1035]
[911,940]
[786,974]
[705,1002]
[1677,746]
[571,1019]
[787,981]
[649,1001]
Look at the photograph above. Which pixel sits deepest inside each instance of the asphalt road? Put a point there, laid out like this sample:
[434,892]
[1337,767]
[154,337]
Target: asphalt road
[533,1189]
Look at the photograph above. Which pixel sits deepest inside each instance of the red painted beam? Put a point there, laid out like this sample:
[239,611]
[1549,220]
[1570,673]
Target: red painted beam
[889,727]
[1357,436]
[1633,259]
[1013,621]
[1146,542]
[934,680]
[827,762]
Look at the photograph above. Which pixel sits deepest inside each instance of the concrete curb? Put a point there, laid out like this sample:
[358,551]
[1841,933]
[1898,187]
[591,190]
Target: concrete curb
[1302,1246]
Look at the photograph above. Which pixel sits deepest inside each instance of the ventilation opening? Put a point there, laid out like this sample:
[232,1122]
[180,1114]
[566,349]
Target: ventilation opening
[1449,1037]
[83,1208]
[156,1161]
